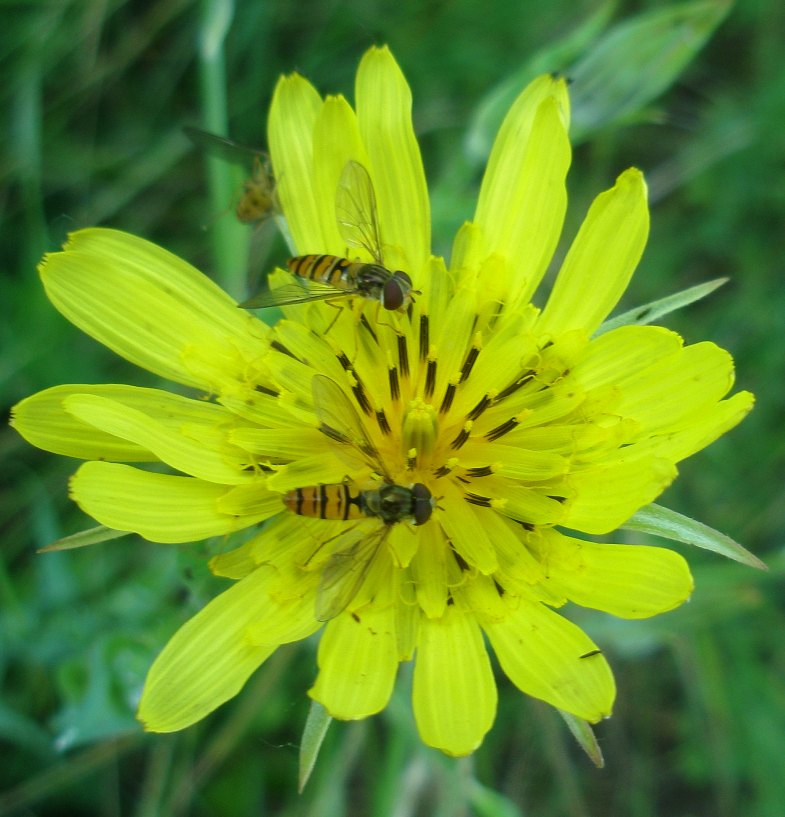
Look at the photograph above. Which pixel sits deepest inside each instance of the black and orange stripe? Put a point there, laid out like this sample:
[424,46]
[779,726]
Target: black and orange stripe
[325,502]
[331,270]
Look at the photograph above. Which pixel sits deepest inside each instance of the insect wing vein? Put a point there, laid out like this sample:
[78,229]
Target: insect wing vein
[341,422]
[355,209]
[345,572]
[293,294]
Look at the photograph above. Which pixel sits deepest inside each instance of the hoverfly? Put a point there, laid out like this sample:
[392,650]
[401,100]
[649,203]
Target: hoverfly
[330,277]
[356,548]
[257,201]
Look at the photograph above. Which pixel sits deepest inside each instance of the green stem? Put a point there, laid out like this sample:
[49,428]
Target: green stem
[228,238]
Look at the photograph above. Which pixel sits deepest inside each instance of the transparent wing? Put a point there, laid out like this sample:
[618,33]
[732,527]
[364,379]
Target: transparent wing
[342,424]
[222,146]
[294,294]
[355,209]
[346,570]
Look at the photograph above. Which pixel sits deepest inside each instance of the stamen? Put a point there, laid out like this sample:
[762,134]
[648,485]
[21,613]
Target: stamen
[425,330]
[279,347]
[480,407]
[461,562]
[403,355]
[366,325]
[266,390]
[449,394]
[430,377]
[477,499]
[463,435]
[481,471]
[361,397]
[381,419]
[468,364]
[395,386]
[517,384]
[501,430]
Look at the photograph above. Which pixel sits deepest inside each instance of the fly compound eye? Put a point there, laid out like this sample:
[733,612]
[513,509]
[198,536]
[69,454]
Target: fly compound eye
[392,295]
[396,290]
[422,504]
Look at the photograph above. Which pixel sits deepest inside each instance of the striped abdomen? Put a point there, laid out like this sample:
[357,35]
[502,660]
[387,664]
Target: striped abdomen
[332,270]
[325,502]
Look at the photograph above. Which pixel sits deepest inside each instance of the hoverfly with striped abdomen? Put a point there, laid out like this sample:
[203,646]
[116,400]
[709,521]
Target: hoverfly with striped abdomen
[257,202]
[355,549]
[331,277]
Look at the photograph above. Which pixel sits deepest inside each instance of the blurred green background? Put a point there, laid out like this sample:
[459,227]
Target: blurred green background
[95,94]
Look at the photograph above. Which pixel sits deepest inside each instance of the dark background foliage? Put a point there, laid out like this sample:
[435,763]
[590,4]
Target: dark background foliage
[94,96]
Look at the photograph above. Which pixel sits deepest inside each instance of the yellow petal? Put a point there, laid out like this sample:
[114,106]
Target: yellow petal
[274,443]
[207,661]
[454,694]
[289,611]
[159,507]
[523,196]
[541,653]
[608,494]
[183,448]
[624,352]
[43,421]
[384,111]
[662,395]
[336,141]
[317,469]
[629,581]
[463,528]
[152,308]
[293,112]
[286,540]
[429,571]
[514,461]
[602,258]
[707,427]
[358,659]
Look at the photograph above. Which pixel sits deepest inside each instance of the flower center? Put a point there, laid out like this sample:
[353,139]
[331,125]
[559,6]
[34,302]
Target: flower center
[420,430]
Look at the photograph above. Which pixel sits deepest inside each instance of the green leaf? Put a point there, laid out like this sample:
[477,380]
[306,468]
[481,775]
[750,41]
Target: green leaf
[636,61]
[92,536]
[649,312]
[583,733]
[316,725]
[669,524]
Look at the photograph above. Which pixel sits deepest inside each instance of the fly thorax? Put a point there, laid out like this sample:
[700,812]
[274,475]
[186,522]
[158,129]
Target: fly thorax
[371,279]
[420,431]
[391,503]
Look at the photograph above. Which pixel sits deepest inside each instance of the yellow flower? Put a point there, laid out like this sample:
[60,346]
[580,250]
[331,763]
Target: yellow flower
[504,428]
